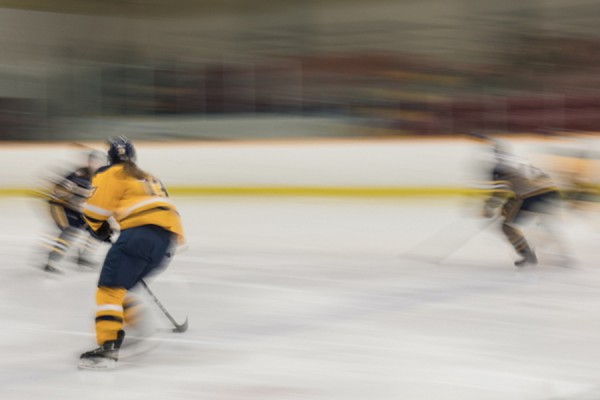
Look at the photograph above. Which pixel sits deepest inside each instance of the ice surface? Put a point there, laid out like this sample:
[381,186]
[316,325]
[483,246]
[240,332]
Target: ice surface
[307,298]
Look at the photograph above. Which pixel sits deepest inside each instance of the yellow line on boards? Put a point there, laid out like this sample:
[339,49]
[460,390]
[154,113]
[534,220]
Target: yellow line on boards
[21,192]
[330,191]
[321,191]
[317,191]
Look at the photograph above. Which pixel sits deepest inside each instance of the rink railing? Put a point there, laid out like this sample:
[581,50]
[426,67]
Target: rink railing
[337,168]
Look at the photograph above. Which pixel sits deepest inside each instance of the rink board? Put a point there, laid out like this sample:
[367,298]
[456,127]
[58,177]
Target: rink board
[339,168]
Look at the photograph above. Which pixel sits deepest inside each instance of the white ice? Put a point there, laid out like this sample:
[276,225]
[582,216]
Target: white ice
[309,298]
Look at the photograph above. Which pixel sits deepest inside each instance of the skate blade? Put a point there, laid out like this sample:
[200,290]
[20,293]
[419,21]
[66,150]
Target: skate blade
[53,270]
[98,364]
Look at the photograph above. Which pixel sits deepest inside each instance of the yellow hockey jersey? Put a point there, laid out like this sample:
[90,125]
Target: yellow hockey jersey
[131,202]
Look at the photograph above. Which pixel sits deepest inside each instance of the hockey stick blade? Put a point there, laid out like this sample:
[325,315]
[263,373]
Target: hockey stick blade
[181,328]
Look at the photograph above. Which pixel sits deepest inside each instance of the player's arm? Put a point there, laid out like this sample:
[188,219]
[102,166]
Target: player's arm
[101,205]
[59,193]
[71,188]
[62,189]
[500,190]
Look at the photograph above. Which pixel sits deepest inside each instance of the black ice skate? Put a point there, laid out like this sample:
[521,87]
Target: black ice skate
[52,269]
[85,262]
[105,356]
[529,258]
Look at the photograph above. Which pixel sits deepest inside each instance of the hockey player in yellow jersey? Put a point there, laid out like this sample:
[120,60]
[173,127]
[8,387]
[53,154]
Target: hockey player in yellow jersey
[519,187]
[149,226]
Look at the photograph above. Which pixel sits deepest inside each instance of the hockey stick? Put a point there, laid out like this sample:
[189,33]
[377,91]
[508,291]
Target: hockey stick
[178,327]
[447,240]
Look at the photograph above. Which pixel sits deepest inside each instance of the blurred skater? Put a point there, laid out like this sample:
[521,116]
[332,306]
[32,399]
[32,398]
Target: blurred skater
[65,200]
[149,224]
[519,188]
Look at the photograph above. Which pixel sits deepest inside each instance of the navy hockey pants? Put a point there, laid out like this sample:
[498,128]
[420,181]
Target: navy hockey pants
[137,252]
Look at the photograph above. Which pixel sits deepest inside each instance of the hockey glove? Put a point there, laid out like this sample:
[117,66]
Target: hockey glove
[103,233]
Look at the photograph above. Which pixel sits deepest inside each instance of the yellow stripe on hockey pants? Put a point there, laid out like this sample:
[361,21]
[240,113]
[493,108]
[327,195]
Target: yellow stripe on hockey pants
[109,313]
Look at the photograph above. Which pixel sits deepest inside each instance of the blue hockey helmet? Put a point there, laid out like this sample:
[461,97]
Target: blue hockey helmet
[121,149]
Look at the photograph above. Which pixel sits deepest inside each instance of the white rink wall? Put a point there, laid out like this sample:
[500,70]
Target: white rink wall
[405,163]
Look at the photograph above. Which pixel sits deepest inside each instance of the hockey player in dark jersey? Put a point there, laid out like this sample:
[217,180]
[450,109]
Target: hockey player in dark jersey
[519,187]
[65,200]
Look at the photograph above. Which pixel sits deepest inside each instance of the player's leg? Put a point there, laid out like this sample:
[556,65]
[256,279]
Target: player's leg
[155,246]
[512,212]
[160,251]
[125,262]
[88,247]
[139,324]
[60,244]
[109,329]
[110,297]
[138,320]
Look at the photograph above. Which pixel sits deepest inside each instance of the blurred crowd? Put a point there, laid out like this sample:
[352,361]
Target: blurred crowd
[493,75]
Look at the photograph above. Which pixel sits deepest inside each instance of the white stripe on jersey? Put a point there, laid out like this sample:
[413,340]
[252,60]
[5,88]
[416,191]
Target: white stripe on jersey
[97,210]
[127,211]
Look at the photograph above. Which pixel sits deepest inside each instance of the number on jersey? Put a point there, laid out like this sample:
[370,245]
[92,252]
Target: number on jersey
[154,187]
